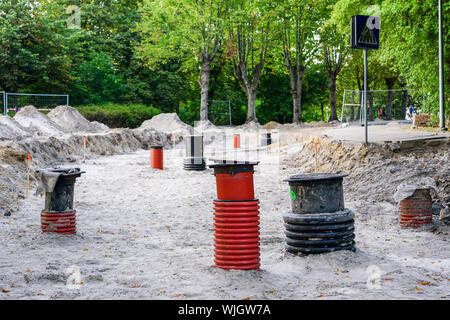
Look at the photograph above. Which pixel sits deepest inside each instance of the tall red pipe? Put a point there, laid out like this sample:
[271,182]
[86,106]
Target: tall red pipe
[237,141]
[157,157]
[236,217]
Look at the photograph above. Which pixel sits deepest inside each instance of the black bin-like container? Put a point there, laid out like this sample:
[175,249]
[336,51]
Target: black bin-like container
[317,193]
[266,139]
[194,160]
[61,199]
[319,221]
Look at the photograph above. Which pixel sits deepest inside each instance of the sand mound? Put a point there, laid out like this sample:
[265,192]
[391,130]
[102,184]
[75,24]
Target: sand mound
[168,123]
[271,125]
[11,129]
[204,125]
[37,122]
[252,125]
[100,126]
[72,121]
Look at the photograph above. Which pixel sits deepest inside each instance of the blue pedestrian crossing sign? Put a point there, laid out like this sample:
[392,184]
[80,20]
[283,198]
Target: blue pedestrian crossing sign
[365,32]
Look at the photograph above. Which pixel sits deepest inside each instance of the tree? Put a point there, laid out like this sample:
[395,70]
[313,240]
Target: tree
[411,30]
[33,50]
[193,29]
[408,42]
[97,80]
[335,50]
[299,21]
[249,40]
[382,70]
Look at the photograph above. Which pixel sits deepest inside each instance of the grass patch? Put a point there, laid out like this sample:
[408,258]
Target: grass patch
[118,115]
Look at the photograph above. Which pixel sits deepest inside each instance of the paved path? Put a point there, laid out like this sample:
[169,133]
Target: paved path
[381,133]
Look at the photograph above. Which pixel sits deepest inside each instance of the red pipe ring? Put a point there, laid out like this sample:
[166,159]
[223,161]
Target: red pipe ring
[236,246]
[234,267]
[236,187]
[414,213]
[236,225]
[237,235]
[234,219]
[63,223]
[236,252]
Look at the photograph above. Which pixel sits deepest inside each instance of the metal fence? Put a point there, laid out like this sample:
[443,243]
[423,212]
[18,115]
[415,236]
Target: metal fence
[352,109]
[43,102]
[3,102]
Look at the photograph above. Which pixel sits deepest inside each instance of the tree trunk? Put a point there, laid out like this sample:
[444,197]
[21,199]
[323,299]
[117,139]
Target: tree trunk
[214,76]
[297,98]
[297,108]
[321,110]
[390,82]
[204,85]
[251,103]
[370,107]
[332,95]
[360,101]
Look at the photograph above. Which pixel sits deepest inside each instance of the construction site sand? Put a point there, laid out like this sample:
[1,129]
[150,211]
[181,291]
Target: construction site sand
[72,121]
[148,234]
[50,144]
[37,123]
[11,129]
[168,123]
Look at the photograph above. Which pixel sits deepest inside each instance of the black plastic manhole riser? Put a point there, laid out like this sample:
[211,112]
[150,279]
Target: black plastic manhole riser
[318,222]
[307,177]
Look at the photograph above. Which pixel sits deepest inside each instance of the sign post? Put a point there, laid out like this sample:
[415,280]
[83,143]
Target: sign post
[365,35]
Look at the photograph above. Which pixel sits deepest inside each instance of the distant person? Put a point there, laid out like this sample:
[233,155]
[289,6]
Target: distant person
[411,111]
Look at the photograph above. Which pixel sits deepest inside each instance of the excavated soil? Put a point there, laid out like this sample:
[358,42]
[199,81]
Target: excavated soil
[148,234]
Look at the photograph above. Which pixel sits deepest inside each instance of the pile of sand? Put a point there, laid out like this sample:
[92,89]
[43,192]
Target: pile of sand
[100,126]
[72,121]
[204,125]
[11,129]
[37,122]
[271,125]
[168,123]
[249,126]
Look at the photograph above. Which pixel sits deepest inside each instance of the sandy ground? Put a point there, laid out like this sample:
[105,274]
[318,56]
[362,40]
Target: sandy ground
[148,234]
[380,133]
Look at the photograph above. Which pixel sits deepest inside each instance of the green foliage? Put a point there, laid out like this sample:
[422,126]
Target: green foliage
[275,102]
[412,38]
[32,50]
[118,115]
[408,43]
[185,30]
[98,81]
[434,121]
[148,52]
